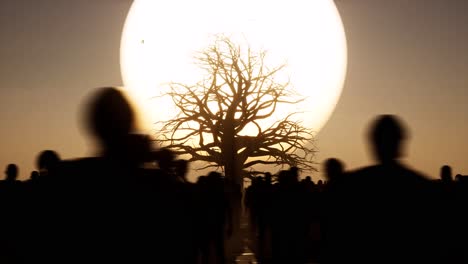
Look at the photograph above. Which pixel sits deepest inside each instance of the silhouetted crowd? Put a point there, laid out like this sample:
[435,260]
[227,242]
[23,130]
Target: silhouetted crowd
[133,204]
[380,214]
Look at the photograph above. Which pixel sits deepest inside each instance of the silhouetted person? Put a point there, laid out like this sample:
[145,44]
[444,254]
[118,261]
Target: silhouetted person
[268,178]
[112,206]
[165,161]
[320,185]
[10,186]
[180,170]
[289,220]
[215,218]
[308,180]
[455,227]
[47,162]
[448,222]
[446,173]
[11,173]
[332,209]
[264,196]
[12,218]
[384,209]
[110,118]
[334,169]
[34,177]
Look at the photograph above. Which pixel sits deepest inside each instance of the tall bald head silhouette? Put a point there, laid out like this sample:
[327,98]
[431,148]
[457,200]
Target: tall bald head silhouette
[11,172]
[110,117]
[387,134]
[446,173]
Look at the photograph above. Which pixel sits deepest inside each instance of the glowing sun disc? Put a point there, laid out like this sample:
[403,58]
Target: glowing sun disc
[160,39]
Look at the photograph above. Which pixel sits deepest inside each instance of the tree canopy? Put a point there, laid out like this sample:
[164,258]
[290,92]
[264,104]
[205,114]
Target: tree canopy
[220,118]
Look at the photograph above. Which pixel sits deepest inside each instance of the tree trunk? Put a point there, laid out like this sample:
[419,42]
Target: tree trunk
[233,172]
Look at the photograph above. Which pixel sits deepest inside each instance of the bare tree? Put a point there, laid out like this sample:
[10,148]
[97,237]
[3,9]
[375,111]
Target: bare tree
[238,91]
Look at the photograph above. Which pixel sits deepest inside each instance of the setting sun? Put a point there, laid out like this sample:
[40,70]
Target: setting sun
[161,38]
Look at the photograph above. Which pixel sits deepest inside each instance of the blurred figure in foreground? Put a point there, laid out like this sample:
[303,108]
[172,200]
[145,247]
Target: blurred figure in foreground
[384,213]
[111,204]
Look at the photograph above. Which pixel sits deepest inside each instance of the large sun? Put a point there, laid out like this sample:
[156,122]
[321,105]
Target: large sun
[161,38]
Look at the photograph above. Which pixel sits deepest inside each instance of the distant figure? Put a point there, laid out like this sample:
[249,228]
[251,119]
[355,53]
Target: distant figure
[12,207]
[333,169]
[289,221]
[451,225]
[334,215]
[268,178]
[320,184]
[307,182]
[166,160]
[446,174]
[34,176]
[180,170]
[294,174]
[11,173]
[215,215]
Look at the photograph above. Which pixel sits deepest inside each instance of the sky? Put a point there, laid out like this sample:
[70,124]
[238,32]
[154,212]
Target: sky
[407,58]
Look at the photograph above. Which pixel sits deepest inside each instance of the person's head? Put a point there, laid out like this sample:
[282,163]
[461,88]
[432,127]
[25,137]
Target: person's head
[181,168]
[294,171]
[215,175]
[446,173]
[47,160]
[34,175]
[110,117]
[11,172]
[333,169]
[294,174]
[386,135]
[268,177]
[255,181]
[165,159]
[283,177]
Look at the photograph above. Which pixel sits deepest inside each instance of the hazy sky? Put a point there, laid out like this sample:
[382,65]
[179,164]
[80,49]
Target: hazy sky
[405,57]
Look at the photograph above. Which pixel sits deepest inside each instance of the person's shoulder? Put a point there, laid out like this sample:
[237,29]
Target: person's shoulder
[80,162]
[3,183]
[364,170]
[377,175]
[363,173]
[413,174]
[79,165]
[352,179]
